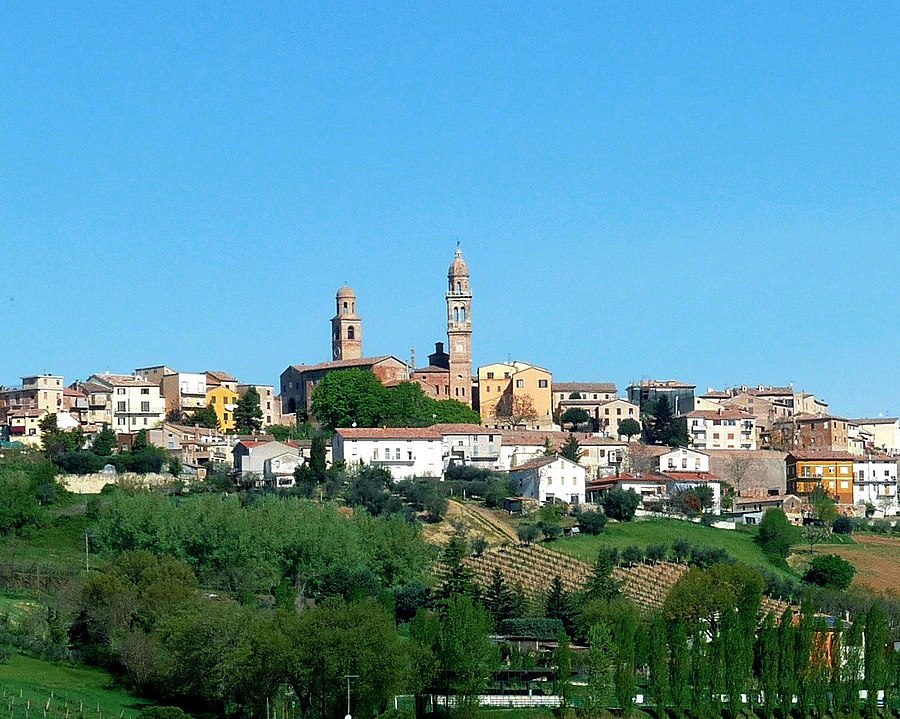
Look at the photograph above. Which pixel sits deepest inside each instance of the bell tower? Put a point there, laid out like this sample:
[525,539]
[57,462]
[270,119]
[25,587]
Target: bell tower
[346,327]
[459,329]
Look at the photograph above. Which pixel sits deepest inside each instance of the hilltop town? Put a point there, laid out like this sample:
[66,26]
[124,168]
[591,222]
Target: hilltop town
[750,447]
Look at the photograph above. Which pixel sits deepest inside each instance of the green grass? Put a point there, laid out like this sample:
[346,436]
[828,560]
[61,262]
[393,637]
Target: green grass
[17,603]
[24,679]
[738,543]
[59,544]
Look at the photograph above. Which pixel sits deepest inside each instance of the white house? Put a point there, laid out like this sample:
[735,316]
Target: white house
[875,483]
[135,403]
[688,469]
[550,479]
[682,459]
[651,488]
[405,452]
[599,455]
[885,432]
[470,444]
[267,462]
[721,428]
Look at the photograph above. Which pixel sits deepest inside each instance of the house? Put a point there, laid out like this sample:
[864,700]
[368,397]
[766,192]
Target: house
[885,432]
[184,392]
[515,395]
[41,394]
[268,402]
[218,378]
[469,444]
[811,432]
[551,479]
[434,379]
[599,454]
[23,425]
[134,403]
[721,428]
[610,415]
[652,488]
[299,381]
[750,510]
[875,483]
[194,446]
[833,471]
[266,462]
[589,396]
[648,392]
[686,469]
[223,400]
[405,452]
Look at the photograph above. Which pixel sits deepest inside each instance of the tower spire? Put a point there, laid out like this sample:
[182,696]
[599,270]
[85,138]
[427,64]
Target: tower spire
[459,328]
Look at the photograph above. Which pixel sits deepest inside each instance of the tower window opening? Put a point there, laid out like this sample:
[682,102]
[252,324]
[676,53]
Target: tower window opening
[351,333]
[462,314]
[456,314]
[345,307]
[459,286]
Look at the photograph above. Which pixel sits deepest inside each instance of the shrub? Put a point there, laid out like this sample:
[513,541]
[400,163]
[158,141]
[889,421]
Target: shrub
[830,571]
[621,505]
[681,550]
[528,533]
[656,553]
[776,534]
[592,522]
[632,555]
[842,525]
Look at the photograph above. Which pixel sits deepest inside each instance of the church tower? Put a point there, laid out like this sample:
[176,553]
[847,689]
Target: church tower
[459,330]
[346,327]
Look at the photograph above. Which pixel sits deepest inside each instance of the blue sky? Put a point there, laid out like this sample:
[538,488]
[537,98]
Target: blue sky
[701,191]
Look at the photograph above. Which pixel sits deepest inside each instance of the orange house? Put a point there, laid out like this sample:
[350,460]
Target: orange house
[831,470]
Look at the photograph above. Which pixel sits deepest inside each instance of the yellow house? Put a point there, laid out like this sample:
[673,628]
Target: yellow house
[515,394]
[832,470]
[223,400]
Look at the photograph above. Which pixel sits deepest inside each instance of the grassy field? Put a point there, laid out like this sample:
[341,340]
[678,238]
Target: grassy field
[876,558]
[26,686]
[59,544]
[738,543]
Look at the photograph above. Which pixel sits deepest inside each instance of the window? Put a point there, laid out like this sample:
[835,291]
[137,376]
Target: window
[120,390]
[120,421]
[397,453]
[490,375]
[145,406]
[520,383]
[409,455]
[845,470]
[542,383]
[618,410]
[375,454]
[731,435]
[145,421]
[120,406]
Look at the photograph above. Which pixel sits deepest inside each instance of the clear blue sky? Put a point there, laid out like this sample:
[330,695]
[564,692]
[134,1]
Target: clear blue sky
[701,191]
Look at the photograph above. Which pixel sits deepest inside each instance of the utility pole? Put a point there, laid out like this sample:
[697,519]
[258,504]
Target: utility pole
[348,677]
[87,554]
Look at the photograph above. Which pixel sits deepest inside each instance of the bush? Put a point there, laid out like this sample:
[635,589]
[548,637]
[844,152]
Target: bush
[528,533]
[776,534]
[621,505]
[830,571]
[842,525]
[592,522]
[539,628]
[656,553]
[632,555]
[681,550]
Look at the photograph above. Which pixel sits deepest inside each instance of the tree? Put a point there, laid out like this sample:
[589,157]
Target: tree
[830,571]
[592,522]
[349,396]
[658,665]
[104,442]
[247,413]
[559,605]
[824,507]
[776,533]
[599,669]
[621,505]
[459,579]
[666,428]
[842,525]
[562,659]
[515,410]
[571,450]
[875,663]
[528,533]
[705,595]
[466,655]
[601,585]
[737,469]
[629,428]
[205,417]
[813,535]
[576,416]
[317,456]
[498,598]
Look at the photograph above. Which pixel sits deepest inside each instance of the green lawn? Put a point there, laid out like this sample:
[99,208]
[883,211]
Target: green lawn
[738,543]
[27,684]
[16,604]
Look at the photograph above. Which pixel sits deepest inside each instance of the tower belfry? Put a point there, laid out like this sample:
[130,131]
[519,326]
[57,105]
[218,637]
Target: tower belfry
[346,327]
[459,329]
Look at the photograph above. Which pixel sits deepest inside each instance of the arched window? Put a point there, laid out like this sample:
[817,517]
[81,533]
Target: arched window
[351,333]
[345,307]
[459,286]
[462,314]
[456,314]
[353,307]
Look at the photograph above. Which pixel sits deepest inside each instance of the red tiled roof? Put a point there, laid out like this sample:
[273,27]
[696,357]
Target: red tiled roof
[539,462]
[445,429]
[583,387]
[537,438]
[345,364]
[725,413]
[874,420]
[663,384]
[690,476]
[357,433]
[812,456]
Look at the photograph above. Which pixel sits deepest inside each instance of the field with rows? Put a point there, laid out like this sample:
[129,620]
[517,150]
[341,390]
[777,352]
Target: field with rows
[35,689]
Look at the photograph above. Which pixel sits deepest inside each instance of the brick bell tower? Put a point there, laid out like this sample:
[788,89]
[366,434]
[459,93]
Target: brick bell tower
[346,327]
[459,329]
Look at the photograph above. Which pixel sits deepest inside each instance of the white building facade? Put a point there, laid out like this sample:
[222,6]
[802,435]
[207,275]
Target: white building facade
[135,403]
[406,452]
[721,428]
[551,479]
[875,483]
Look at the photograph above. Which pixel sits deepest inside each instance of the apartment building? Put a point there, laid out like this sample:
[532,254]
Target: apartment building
[722,428]
[515,394]
[831,470]
[134,403]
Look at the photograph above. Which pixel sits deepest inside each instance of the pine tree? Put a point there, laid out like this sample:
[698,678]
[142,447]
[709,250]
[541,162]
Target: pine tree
[559,605]
[571,450]
[459,578]
[497,598]
[601,584]
[247,412]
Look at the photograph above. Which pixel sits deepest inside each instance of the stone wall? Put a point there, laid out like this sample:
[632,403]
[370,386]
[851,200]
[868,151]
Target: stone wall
[93,483]
[763,469]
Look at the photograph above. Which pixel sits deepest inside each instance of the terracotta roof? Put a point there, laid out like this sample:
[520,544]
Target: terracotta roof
[648,477]
[874,420]
[345,364]
[725,413]
[878,458]
[715,394]
[69,392]
[431,368]
[445,429]
[690,476]
[251,443]
[299,443]
[357,433]
[663,384]
[221,376]
[537,438]
[124,380]
[813,455]
[584,387]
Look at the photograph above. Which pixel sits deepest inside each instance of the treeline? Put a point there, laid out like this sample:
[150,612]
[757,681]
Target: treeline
[256,543]
[354,398]
[27,482]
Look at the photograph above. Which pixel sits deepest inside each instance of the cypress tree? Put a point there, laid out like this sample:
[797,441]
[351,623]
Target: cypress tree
[681,667]
[853,665]
[601,585]
[599,669]
[562,658]
[626,645]
[837,667]
[658,666]
[559,605]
